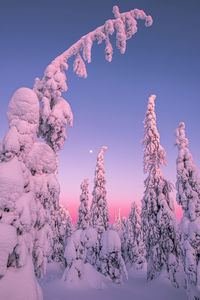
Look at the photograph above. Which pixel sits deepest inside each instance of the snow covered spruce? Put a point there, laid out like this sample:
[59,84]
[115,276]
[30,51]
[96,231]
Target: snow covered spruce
[99,217]
[160,228]
[188,196]
[41,161]
[112,263]
[18,205]
[56,113]
[83,211]
[135,248]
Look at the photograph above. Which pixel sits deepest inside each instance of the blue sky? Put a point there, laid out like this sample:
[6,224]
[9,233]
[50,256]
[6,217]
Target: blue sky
[109,106]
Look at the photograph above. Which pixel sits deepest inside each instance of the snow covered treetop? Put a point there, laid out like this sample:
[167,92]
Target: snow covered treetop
[100,157]
[103,149]
[24,105]
[154,154]
[85,184]
[181,140]
[50,88]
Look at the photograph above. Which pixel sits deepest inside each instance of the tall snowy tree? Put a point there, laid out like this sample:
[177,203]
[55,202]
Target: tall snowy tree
[134,238]
[188,196]
[99,217]
[41,162]
[17,199]
[83,216]
[159,223]
[123,237]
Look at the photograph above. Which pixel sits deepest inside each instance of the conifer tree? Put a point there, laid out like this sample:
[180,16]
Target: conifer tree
[161,233]
[188,196]
[123,237]
[112,263]
[134,238]
[83,217]
[117,222]
[99,217]
[55,112]
[18,206]
[69,228]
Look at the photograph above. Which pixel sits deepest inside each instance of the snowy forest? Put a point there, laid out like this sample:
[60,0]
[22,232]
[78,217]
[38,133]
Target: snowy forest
[39,243]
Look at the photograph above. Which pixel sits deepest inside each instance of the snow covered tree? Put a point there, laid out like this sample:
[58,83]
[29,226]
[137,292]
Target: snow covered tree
[99,217]
[161,232]
[74,256]
[134,238]
[112,263]
[188,196]
[64,214]
[41,162]
[55,112]
[117,222]
[83,216]
[123,237]
[18,208]
[69,228]
[90,242]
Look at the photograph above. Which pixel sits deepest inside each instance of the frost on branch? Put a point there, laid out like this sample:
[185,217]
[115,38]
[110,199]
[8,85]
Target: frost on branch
[79,66]
[50,88]
[159,224]
[188,196]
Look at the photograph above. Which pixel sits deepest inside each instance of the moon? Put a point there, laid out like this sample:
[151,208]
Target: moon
[91,151]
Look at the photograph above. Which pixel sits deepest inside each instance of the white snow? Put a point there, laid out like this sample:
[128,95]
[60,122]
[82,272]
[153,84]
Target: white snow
[11,182]
[136,288]
[41,159]
[23,278]
[8,240]
[86,278]
[24,105]
[110,242]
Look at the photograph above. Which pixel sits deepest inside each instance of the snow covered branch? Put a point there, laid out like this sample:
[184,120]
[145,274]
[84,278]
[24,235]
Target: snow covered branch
[55,112]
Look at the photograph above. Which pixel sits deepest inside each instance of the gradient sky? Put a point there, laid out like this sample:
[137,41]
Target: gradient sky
[109,106]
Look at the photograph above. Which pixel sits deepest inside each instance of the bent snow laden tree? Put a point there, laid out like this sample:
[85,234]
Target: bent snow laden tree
[56,112]
[28,177]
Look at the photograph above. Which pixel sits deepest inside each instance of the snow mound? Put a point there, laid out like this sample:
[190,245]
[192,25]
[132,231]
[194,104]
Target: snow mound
[8,240]
[84,276]
[110,242]
[24,105]
[20,284]
[41,159]
[11,182]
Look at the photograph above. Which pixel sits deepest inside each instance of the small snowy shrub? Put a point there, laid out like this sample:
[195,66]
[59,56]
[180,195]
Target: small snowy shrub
[112,263]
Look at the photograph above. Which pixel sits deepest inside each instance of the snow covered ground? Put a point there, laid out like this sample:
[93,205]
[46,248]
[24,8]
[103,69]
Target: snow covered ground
[135,288]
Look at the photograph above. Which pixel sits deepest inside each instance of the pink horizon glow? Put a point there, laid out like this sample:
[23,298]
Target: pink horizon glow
[125,207]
